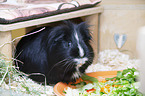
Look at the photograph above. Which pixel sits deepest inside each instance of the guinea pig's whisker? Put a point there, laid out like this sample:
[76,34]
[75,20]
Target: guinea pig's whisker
[69,60]
[90,61]
[69,65]
[94,42]
[61,61]
[57,64]
[67,68]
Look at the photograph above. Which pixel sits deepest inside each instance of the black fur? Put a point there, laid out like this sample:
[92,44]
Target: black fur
[51,52]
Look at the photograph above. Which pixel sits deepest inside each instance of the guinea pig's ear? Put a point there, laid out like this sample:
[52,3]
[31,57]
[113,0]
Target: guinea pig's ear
[83,27]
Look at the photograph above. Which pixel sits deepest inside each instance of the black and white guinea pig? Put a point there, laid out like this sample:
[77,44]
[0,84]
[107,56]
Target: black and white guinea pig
[61,53]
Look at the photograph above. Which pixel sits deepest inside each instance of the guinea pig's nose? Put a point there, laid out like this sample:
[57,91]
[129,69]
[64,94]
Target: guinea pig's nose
[81,60]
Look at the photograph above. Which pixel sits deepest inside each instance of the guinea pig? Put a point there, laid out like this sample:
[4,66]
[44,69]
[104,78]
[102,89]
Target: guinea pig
[56,54]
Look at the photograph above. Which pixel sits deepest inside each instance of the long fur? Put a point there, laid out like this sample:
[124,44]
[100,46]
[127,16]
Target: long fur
[52,52]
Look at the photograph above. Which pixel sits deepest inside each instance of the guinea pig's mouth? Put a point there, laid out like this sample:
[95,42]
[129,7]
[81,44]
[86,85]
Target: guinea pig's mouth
[80,61]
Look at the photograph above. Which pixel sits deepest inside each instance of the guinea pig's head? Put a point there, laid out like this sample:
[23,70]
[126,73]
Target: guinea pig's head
[70,47]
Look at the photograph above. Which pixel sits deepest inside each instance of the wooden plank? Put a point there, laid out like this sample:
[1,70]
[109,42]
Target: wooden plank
[64,16]
[124,2]
[124,7]
[93,21]
[5,44]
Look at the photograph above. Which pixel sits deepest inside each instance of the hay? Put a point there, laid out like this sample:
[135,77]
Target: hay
[14,82]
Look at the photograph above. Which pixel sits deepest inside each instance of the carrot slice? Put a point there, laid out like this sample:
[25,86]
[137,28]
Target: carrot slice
[91,90]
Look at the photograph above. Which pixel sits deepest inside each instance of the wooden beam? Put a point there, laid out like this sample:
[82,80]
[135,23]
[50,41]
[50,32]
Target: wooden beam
[93,21]
[54,18]
[5,45]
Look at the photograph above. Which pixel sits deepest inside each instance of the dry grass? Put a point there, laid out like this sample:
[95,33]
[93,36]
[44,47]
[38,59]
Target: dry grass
[13,81]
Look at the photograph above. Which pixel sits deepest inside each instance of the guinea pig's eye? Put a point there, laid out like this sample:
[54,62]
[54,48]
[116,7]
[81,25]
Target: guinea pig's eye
[68,44]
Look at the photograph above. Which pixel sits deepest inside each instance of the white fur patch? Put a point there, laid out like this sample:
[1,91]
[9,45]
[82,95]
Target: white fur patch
[76,75]
[76,36]
[81,60]
[81,51]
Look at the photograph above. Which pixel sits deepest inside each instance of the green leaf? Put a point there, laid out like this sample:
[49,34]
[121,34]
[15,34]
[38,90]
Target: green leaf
[110,78]
[101,93]
[89,78]
[64,92]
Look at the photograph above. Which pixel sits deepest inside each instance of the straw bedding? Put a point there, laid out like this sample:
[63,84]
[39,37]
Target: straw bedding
[12,84]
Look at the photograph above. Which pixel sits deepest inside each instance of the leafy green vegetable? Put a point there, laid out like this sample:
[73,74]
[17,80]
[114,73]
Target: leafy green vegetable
[64,92]
[89,78]
[124,84]
[81,84]
[126,76]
